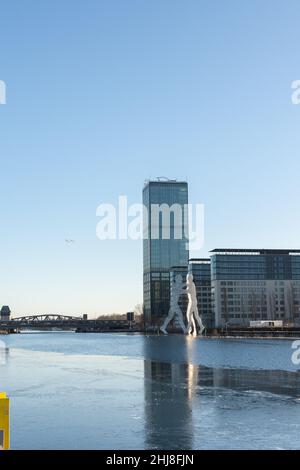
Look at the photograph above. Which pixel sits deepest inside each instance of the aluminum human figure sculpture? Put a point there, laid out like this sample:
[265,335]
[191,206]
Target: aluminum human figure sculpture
[177,289]
[192,312]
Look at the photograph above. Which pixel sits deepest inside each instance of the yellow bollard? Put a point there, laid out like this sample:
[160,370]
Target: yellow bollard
[4,422]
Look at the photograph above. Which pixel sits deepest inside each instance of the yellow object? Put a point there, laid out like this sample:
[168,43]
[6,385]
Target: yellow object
[4,422]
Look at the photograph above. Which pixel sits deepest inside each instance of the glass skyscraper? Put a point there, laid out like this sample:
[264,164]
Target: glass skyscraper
[160,251]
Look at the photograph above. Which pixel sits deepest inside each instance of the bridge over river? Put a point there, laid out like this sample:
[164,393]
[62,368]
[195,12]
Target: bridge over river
[63,322]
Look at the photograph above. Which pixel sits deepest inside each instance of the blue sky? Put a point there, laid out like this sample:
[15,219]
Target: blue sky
[102,94]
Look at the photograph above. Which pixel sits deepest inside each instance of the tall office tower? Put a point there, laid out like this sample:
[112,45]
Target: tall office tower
[255,285]
[165,242]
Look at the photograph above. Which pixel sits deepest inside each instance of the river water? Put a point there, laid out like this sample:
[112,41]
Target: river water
[122,391]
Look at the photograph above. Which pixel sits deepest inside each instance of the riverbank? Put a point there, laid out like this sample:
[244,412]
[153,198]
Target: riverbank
[230,333]
[9,332]
[238,332]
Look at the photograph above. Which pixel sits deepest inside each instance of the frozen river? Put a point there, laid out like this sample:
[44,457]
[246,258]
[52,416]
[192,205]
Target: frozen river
[119,391]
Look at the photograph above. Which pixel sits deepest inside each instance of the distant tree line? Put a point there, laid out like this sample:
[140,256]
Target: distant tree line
[138,315]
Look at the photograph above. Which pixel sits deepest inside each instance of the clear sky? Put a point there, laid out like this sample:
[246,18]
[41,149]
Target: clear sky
[102,94]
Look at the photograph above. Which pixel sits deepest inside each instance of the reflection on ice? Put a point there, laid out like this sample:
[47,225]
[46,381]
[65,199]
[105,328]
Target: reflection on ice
[4,352]
[134,392]
[174,395]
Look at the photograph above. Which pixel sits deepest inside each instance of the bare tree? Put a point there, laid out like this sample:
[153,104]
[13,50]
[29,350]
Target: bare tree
[113,316]
[139,309]
[139,313]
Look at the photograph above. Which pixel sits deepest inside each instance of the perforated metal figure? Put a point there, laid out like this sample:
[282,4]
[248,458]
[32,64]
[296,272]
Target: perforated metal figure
[177,289]
[192,312]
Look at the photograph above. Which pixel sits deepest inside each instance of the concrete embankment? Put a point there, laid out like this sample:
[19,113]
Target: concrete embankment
[285,332]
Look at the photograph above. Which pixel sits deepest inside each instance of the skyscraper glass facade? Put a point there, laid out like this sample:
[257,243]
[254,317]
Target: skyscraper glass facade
[161,253]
